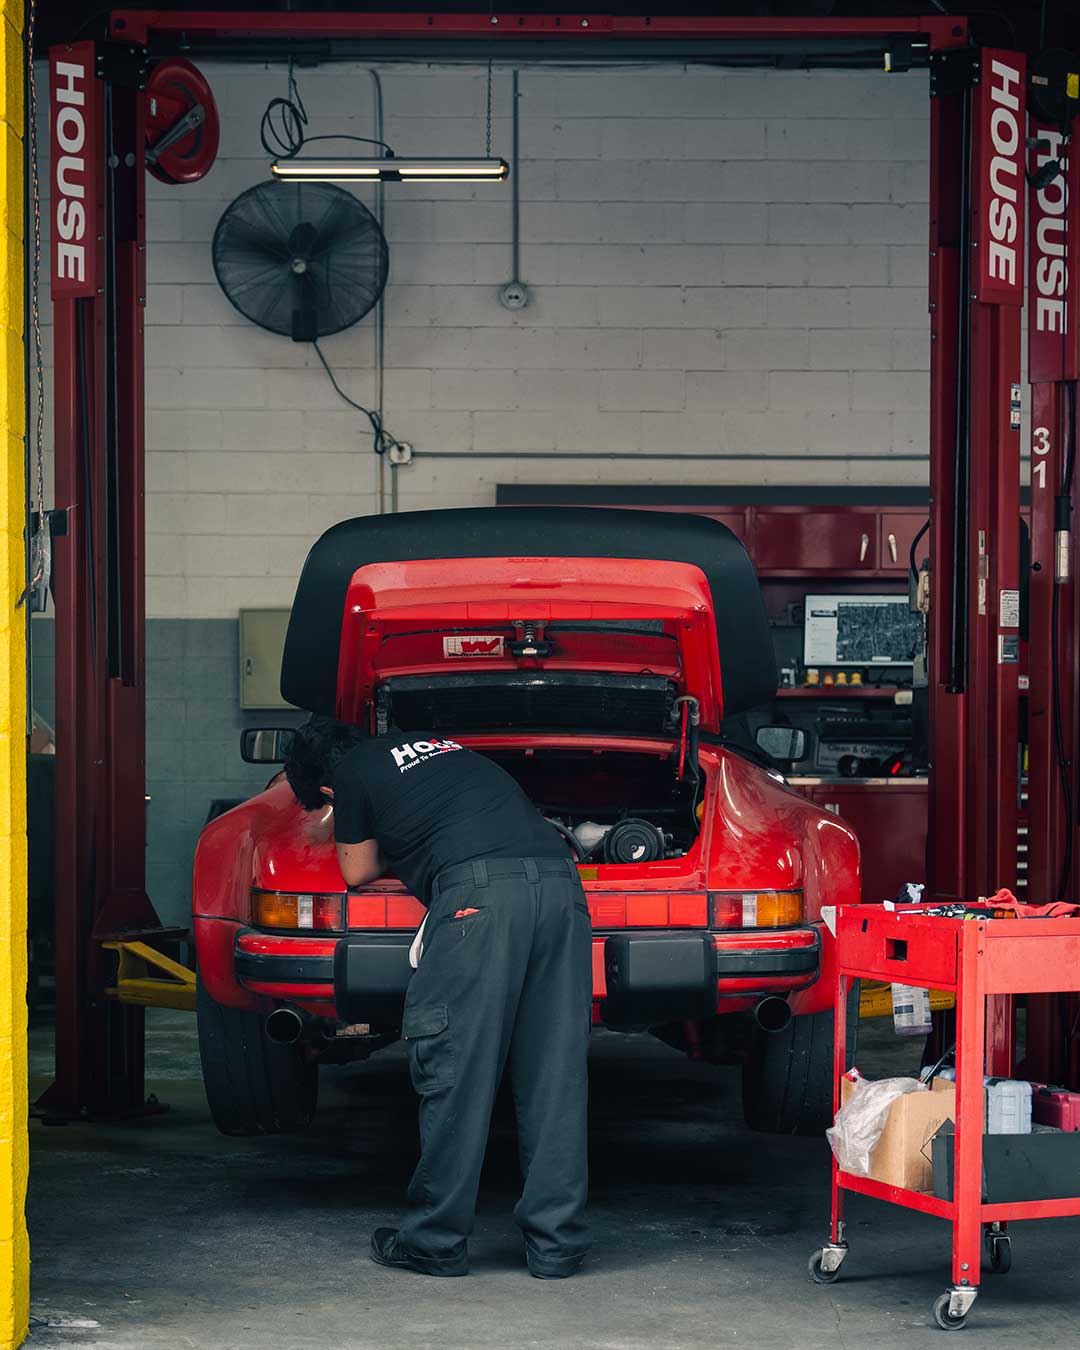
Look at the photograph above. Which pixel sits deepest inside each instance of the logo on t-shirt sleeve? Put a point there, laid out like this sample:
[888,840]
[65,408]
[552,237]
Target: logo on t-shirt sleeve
[410,754]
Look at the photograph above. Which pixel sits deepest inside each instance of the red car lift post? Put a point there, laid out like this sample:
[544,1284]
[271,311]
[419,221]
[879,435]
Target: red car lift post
[976,293]
[98,271]
[100,811]
[1053,370]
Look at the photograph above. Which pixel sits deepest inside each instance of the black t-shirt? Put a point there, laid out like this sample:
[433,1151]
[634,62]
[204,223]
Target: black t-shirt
[431,803]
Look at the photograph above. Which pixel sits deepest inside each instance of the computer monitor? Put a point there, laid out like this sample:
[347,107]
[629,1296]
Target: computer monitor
[859,630]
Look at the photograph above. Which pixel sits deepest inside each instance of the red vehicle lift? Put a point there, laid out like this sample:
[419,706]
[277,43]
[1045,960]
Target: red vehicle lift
[975,296]
[98,274]
[1054,694]
[978,101]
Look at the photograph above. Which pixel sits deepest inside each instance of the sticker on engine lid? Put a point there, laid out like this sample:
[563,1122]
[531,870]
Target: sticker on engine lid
[476,645]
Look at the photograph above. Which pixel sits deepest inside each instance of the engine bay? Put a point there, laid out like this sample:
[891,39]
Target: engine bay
[612,806]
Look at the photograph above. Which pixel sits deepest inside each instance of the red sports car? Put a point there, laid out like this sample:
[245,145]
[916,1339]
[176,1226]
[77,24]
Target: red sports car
[600,656]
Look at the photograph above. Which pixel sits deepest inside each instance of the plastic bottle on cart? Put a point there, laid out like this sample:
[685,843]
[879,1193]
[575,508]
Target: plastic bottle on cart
[911,1010]
[1008,1106]
[1008,1103]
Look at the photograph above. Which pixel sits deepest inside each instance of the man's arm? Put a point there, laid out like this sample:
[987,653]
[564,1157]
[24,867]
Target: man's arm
[360,863]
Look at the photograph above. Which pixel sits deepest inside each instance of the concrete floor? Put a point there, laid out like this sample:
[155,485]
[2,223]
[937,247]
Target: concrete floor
[162,1235]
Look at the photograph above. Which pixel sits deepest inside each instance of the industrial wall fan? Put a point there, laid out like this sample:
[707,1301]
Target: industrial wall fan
[301,259]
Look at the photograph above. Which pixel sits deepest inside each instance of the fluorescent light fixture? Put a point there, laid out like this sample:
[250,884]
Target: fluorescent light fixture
[390,169]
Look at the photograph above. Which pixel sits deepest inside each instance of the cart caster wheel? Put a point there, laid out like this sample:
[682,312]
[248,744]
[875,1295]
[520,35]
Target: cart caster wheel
[999,1250]
[817,1271]
[945,1319]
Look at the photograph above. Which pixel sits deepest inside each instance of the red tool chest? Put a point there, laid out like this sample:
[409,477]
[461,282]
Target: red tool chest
[1054,1106]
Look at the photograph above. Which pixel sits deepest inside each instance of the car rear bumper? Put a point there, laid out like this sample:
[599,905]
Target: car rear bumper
[638,976]
[667,976]
[263,961]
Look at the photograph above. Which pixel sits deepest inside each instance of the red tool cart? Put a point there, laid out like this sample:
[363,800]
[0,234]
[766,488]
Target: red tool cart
[976,959]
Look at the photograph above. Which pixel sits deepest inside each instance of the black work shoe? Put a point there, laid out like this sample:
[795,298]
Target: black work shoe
[553,1267]
[387,1250]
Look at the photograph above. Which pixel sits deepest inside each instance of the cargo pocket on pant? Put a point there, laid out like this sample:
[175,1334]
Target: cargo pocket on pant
[426,1031]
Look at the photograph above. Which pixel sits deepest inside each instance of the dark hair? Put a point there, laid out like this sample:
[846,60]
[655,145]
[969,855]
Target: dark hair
[318,748]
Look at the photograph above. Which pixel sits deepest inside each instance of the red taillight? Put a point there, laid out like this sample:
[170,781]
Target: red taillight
[280,909]
[381,909]
[647,909]
[755,909]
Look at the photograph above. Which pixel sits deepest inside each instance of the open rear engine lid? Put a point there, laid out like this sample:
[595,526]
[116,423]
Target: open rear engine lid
[476,644]
[512,613]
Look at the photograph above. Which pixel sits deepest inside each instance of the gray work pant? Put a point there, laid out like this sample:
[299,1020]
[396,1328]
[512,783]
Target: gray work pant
[512,981]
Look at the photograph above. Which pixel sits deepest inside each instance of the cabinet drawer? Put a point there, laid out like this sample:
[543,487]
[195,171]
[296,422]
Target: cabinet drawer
[898,530]
[886,947]
[808,540]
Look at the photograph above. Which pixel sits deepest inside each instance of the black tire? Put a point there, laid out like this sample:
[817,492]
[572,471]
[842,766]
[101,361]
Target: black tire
[787,1085]
[253,1086]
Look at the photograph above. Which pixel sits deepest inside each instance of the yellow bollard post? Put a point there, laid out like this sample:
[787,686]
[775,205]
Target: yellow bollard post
[14,1099]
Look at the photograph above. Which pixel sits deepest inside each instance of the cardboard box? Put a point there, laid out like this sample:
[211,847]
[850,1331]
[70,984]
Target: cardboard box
[903,1156]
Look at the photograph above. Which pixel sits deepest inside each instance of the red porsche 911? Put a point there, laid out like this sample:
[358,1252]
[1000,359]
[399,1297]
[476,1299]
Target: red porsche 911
[601,657]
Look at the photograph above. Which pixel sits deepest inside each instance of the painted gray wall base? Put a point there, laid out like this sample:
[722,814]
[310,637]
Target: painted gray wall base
[193,725]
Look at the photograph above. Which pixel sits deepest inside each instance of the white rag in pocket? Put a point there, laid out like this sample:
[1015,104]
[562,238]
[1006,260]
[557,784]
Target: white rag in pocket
[416,951]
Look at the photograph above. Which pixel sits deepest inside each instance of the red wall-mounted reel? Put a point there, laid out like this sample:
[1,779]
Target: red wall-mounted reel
[182,127]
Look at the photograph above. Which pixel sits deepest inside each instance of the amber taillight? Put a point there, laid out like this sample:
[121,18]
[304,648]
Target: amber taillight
[297,910]
[755,909]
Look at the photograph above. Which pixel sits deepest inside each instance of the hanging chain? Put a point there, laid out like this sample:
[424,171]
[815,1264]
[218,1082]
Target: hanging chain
[487,140]
[38,555]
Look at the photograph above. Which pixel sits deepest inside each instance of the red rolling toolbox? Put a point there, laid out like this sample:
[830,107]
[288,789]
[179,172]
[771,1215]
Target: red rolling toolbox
[1055,1106]
[974,959]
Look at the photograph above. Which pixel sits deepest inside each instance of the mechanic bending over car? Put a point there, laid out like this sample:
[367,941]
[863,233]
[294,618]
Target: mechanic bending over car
[503,973]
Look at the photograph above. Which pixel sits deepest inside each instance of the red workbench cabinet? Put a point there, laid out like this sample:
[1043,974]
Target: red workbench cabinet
[974,959]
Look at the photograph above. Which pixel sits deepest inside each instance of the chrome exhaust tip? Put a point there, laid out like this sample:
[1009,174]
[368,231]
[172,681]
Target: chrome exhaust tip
[772,1014]
[284,1026]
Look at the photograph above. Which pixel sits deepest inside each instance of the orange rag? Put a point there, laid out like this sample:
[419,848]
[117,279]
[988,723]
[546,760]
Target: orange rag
[1004,899]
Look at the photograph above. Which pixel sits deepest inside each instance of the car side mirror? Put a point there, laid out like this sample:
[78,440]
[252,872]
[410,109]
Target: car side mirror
[785,744]
[266,745]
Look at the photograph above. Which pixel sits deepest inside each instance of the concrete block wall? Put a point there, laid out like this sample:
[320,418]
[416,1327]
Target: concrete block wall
[720,263]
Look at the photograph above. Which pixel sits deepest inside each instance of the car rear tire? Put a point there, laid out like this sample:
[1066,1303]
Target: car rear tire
[253,1086]
[787,1085]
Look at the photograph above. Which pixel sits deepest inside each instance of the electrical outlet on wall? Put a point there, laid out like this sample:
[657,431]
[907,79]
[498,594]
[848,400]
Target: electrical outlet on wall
[514,295]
